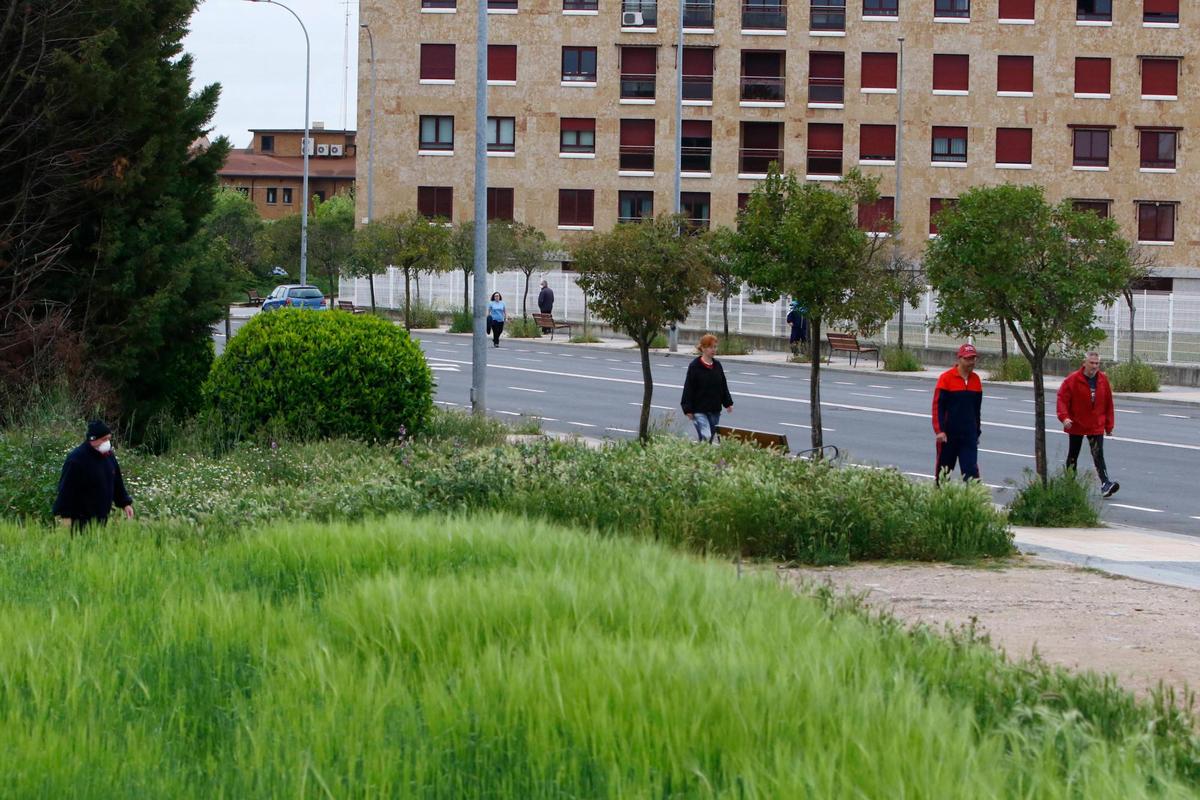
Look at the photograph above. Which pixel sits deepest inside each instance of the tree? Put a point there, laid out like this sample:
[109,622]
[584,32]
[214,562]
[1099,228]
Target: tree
[802,240]
[1141,264]
[1003,252]
[331,238]
[235,221]
[721,244]
[407,241]
[515,245]
[640,278]
[462,256]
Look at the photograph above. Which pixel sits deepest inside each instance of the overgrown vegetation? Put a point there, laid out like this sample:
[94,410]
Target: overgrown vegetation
[585,339]
[1133,376]
[522,328]
[733,346]
[1065,501]
[897,360]
[422,315]
[462,322]
[1014,369]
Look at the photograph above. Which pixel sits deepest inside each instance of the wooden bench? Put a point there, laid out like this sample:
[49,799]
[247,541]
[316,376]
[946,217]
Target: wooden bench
[848,343]
[348,305]
[759,438]
[254,298]
[548,322]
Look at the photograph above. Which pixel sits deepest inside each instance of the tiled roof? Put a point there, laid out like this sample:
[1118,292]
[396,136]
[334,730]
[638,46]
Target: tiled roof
[241,163]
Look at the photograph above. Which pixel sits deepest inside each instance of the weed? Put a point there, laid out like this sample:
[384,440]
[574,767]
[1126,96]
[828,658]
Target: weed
[897,360]
[1064,501]
[1015,369]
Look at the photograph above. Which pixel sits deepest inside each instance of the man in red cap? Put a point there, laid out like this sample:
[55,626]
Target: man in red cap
[1085,408]
[957,403]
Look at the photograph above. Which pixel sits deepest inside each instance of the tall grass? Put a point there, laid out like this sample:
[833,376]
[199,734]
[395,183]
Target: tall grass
[1064,501]
[491,657]
[898,360]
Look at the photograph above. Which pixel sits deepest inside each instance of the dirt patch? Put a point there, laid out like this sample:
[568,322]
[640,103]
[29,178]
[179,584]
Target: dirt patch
[1082,619]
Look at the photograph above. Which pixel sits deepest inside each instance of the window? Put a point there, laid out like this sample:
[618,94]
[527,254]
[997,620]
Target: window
[436,202]
[581,5]
[881,8]
[579,64]
[501,134]
[764,15]
[936,206]
[441,4]
[272,195]
[502,5]
[502,63]
[951,73]
[1097,207]
[697,146]
[1160,12]
[647,8]
[1018,10]
[437,133]
[637,145]
[1157,149]
[761,145]
[827,15]
[635,206]
[319,195]
[1092,77]
[638,65]
[575,208]
[762,75]
[287,196]
[878,72]
[697,73]
[1090,147]
[1014,147]
[877,143]
[1093,10]
[695,207]
[698,14]
[1160,79]
[877,217]
[245,190]
[576,135]
[1014,75]
[952,9]
[949,144]
[743,201]
[437,62]
[267,143]
[499,204]
[824,149]
[1156,222]
[826,77]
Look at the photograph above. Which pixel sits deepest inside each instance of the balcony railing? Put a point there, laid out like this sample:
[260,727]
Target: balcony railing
[758,160]
[826,90]
[647,8]
[824,162]
[828,15]
[696,159]
[698,15]
[763,88]
[764,16]
[637,157]
[637,86]
[697,87]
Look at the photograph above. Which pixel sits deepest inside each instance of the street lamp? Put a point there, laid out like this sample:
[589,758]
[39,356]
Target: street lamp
[899,163]
[677,202]
[479,306]
[371,156]
[304,144]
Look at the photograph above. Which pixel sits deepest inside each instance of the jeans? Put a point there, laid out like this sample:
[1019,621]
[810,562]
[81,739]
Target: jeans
[1096,445]
[706,424]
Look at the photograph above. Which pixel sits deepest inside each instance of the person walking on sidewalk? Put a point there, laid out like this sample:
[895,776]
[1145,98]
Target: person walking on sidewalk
[1085,408]
[957,416]
[91,482]
[497,315]
[705,390]
[798,318]
[546,301]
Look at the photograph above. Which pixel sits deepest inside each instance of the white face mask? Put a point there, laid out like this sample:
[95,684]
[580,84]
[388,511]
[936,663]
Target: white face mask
[104,448]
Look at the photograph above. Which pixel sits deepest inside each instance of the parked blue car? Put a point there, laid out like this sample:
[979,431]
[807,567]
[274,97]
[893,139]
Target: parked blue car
[294,295]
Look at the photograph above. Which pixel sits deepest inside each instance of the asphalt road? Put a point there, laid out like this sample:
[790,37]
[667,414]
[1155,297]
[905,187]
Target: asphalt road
[873,418]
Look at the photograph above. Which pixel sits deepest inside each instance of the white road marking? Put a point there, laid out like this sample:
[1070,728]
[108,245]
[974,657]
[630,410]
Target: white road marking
[460,344]
[620,430]
[524,389]
[591,358]
[1137,508]
[581,424]
[660,408]
[509,413]
[807,427]
[751,374]
[877,386]
[743,383]
[1005,453]
[919,475]
[529,360]
[544,419]
[543,352]
[1017,411]
[1195,517]
[445,403]
[1175,416]
[1127,411]
[623,369]
[921,391]
[864,394]
[785,377]
[845,383]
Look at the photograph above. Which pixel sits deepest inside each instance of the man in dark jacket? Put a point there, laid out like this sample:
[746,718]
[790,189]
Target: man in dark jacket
[957,420]
[91,482]
[546,301]
[1085,408]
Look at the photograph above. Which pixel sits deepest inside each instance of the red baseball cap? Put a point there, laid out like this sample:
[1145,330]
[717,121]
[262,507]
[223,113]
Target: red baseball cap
[967,351]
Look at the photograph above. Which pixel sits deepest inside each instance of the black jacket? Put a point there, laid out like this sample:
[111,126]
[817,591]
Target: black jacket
[705,389]
[546,300]
[89,485]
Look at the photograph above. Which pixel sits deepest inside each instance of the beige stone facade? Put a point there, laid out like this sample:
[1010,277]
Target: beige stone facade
[539,97]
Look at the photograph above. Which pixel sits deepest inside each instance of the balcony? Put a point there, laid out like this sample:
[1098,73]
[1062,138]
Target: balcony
[824,162]
[636,158]
[828,15]
[826,90]
[762,88]
[758,160]
[697,87]
[696,158]
[698,15]
[645,10]
[764,17]
[637,86]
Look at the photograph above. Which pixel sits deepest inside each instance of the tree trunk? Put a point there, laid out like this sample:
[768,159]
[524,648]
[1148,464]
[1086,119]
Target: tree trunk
[647,392]
[525,298]
[1132,311]
[1039,420]
[814,383]
[407,302]
[900,335]
[466,285]
[371,286]
[1003,342]
[725,311]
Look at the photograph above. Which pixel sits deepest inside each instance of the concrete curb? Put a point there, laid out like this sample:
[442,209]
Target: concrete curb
[1170,559]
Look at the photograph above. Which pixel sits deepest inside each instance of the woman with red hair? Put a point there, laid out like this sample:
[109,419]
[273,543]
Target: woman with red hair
[705,390]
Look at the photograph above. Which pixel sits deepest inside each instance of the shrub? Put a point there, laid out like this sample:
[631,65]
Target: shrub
[522,328]
[318,375]
[897,360]
[1063,502]
[462,322]
[733,346]
[585,339]
[1010,370]
[1133,376]
[425,316]
[660,342]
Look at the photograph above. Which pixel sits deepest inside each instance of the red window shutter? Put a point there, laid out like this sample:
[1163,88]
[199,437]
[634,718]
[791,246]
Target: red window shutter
[763,64]
[1156,222]
[437,62]
[1093,76]
[637,132]
[577,124]
[584,208]
[762,135]
[697,129]
[638,61]
[1014,73]
[743,200]
[435,201]
[949,132]
[570,207]
[1160,77]
[826,65]
[824,136]
[879,70]
[951,72]
[936,206]
[502,62]
[499,204]
[1161,7]
[1016,9]
[873,216]
[698,61]
[1014,145]
[425,201]
[877,142]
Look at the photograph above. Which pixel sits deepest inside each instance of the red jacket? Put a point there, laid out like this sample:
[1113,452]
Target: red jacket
[1075,403]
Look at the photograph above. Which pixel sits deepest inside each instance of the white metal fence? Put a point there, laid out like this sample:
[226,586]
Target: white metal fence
[1166,329]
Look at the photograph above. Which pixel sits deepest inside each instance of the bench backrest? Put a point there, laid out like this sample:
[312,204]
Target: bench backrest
[254,295]
[760,438]
[545,320]
[345,305]
[837,339]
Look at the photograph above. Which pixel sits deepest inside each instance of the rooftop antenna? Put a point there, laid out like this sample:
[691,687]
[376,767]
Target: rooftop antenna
[346,67]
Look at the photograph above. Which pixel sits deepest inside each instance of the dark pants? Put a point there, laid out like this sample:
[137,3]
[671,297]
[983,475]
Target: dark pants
[496,328]
[1096,445]
[963,450]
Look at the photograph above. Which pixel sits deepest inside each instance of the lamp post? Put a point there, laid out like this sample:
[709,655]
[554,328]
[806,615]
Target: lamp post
[304,145]
[899,163]
[371,156]
[479,282]
[677,201]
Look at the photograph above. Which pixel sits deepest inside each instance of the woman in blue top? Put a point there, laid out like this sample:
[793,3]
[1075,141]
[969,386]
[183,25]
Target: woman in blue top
[497,314]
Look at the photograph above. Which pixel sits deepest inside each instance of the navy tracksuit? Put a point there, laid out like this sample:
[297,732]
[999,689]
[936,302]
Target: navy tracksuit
[957,406]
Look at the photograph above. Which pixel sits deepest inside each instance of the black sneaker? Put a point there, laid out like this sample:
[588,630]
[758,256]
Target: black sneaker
[1109,488]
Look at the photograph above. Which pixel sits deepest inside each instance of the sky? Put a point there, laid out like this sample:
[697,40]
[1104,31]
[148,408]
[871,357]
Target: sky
[255,50]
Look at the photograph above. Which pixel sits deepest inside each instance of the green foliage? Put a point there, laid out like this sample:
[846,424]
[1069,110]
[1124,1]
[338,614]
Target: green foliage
[331,239]
[1012,369]
[318,374]
[1133,376]
[588,339]
[423,315]
[462,322]
[521,328]
[409,242]
[459,430]
[235,221]
[897,360]
[1064,501]
[520,247]
[659,342]
[733,346]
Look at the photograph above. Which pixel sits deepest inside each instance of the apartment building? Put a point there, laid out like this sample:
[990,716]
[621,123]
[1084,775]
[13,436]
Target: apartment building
[1088,98]
[271,170]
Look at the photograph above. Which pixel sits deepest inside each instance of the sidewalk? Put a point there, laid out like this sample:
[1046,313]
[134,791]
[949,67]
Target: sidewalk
[1146,555]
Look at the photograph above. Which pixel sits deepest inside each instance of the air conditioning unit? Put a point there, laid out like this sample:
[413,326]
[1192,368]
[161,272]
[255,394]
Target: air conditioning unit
[335,149]
[632,19]
[322,149]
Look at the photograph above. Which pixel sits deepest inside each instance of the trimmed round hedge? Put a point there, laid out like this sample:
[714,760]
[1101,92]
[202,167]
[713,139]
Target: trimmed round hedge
[319,374]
